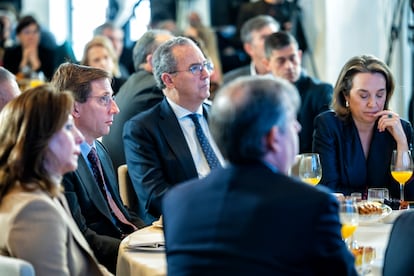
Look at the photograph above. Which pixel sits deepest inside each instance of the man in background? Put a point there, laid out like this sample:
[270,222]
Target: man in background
[232,219]
[8,87]
[162,147]
[284,60]
[253,34]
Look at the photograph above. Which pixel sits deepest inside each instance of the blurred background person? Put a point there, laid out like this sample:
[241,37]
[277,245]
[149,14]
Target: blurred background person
[100,53]
[139,93]
[253,34]
[35,152]
[116,35]
[356,139]
[8,87]
[222,213]
[28,58]
[284,60]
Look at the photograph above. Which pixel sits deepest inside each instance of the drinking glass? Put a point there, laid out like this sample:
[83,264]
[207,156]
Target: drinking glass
[401,168]
[378,194]
[349,218]
[310,169]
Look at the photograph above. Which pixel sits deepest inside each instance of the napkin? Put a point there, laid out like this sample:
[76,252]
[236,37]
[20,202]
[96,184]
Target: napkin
[149,241]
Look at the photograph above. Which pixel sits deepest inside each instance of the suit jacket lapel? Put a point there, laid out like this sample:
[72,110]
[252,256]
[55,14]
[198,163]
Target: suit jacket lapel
[171,130]
[92,187]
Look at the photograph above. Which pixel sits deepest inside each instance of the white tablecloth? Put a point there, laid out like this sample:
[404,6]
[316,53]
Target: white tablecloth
[138,262]
[153,263]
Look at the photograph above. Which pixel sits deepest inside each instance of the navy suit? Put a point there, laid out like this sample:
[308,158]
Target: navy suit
[91,212]
[157,156]
[316,96]
[249,220]
[398,259]
[344,167]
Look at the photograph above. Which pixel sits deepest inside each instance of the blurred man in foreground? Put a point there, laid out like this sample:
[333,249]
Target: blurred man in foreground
[233,219]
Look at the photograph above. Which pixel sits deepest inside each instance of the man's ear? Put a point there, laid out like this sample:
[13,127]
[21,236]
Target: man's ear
[167,79]
[76,110]
[272,139]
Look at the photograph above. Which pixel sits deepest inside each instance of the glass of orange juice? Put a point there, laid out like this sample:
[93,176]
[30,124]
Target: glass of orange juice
[401,168]
[310,169]
[349,217]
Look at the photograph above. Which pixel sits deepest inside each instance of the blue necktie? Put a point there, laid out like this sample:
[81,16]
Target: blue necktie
[211,157]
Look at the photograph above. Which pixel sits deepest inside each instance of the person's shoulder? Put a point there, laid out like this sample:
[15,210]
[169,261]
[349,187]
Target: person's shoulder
[147,115]
[328,115]
[235,73]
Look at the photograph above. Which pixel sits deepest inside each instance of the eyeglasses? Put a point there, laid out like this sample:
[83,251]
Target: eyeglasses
[198,68]
[104,100]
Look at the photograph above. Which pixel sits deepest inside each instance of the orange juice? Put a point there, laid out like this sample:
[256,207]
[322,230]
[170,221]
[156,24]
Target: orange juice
[347,230]
[312,180]
[401,176]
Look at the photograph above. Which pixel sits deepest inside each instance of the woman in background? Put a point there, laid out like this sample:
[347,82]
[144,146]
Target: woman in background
[36,150]
[100,53]
[355,140]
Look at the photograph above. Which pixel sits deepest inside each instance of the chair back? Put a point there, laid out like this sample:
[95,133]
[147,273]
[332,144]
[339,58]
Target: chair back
[15,267]
[127,192]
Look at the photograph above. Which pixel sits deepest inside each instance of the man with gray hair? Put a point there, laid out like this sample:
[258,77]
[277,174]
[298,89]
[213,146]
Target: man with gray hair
[251,218]
[8,87]
[253,33]
[137,94]
[171,142]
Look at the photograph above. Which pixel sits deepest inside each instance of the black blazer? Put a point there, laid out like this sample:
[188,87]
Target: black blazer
[157,156]
[344,167]
[399,255]
[316,96]
[13,56]
[248,220]
[90,209]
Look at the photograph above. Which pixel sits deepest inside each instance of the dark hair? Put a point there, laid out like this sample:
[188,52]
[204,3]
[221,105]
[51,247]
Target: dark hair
[355,65]
[77,79]
[25,132]
[255,24]
[26,21]
[245,110]
[277,41]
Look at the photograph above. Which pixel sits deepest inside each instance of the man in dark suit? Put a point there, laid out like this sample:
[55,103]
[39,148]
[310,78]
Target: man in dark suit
[400,249]
[253,34]
[284,59]
[161,146]
[92,190]
[137,94]
[251,218]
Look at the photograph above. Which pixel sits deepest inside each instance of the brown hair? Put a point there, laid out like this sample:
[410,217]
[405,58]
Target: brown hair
[25,132]
[355,65]
[77,79]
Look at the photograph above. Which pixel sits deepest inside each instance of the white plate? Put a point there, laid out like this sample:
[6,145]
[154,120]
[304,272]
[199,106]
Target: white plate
[157,223]
[367,219]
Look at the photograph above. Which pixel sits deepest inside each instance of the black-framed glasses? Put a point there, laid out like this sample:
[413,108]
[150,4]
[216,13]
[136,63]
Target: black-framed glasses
[198,68]
[105,99]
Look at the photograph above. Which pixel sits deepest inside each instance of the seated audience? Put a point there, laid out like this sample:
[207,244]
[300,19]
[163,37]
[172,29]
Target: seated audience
[28,58]
[253,34]
[139,93]
[35,152]
[92,190]
[100,53]
[399,253]
[8,87]
[229,223]
[355,140]
[284,60]
[161,145]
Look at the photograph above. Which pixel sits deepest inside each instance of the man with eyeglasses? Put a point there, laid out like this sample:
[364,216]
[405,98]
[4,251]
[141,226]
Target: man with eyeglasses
[92,190]
[171,142]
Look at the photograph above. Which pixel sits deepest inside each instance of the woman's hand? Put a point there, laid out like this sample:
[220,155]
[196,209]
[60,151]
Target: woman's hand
[389,120]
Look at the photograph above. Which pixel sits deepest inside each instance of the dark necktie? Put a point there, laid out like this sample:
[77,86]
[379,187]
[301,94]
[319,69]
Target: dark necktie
[211,157]
[98,174]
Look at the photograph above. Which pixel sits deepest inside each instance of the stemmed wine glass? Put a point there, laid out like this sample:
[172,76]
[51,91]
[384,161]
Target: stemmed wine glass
[401,168]
[349,218]
[310,169]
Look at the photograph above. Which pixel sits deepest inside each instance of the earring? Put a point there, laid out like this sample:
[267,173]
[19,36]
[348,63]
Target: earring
[347,104]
